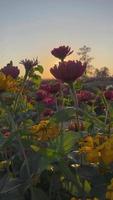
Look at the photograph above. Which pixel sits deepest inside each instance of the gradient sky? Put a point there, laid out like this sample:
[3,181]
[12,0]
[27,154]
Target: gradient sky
[32,28]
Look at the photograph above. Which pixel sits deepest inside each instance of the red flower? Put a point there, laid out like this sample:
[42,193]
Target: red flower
[47,112]
[85,96]
[108,94]
[61,52]
[40,95]
[68,71]
[54,88]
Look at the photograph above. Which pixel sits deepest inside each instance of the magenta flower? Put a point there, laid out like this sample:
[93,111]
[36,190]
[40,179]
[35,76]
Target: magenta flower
[40,95]
[68,71]
[61,52]
[29,64]
[108,94]
[48,101]
[11,70]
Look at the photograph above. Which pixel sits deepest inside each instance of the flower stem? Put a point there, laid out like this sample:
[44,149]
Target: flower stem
[75,100]
[19,93]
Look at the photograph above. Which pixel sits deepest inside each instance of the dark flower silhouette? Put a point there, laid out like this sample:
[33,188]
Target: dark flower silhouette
[10,70]
[29,64]
[68,71]
[61,52]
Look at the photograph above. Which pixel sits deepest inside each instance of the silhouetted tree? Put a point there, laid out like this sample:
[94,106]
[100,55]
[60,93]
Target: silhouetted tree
[103,72]
[84,57]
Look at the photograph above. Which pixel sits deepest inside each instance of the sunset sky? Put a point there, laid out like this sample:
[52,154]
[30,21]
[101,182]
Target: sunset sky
[32,28]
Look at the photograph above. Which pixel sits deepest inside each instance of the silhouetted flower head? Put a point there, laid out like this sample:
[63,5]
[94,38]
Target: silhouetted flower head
[29,64]
[68,71]
[61,52]
[10,70]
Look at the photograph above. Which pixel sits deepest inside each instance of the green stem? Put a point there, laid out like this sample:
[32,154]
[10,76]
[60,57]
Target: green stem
[75,100]
[107,114]
[19,93]
[24,155]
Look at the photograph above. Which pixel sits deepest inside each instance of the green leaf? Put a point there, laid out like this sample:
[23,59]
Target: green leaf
[69,140]
[87,187]
[38,194]
[39,68]
[78,85]
[64,115]
[36,79]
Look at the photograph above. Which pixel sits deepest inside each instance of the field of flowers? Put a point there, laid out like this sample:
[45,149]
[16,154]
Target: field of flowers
[56,137]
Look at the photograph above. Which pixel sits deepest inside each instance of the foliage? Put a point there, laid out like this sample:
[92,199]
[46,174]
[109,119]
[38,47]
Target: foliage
[57,143]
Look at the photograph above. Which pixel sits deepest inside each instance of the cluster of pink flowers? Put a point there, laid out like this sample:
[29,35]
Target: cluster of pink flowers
[47,95]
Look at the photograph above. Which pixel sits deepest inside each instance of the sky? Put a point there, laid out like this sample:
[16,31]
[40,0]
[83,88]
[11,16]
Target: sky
[32,28]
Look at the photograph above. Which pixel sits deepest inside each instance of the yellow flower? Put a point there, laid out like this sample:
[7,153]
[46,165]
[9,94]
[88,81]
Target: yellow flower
[107,155]
[86,149]
[109,193]
[45,131]
[7,83]
[88,141]
[93,156]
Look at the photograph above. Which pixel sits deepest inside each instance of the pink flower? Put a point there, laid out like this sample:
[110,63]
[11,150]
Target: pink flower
[68,71]
[108,94]
[61,52]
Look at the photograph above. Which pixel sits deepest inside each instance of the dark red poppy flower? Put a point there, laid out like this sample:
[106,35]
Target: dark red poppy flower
[40,95]
[11,70]
[108,94]
[61,52]
[29,64]
[68,71]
